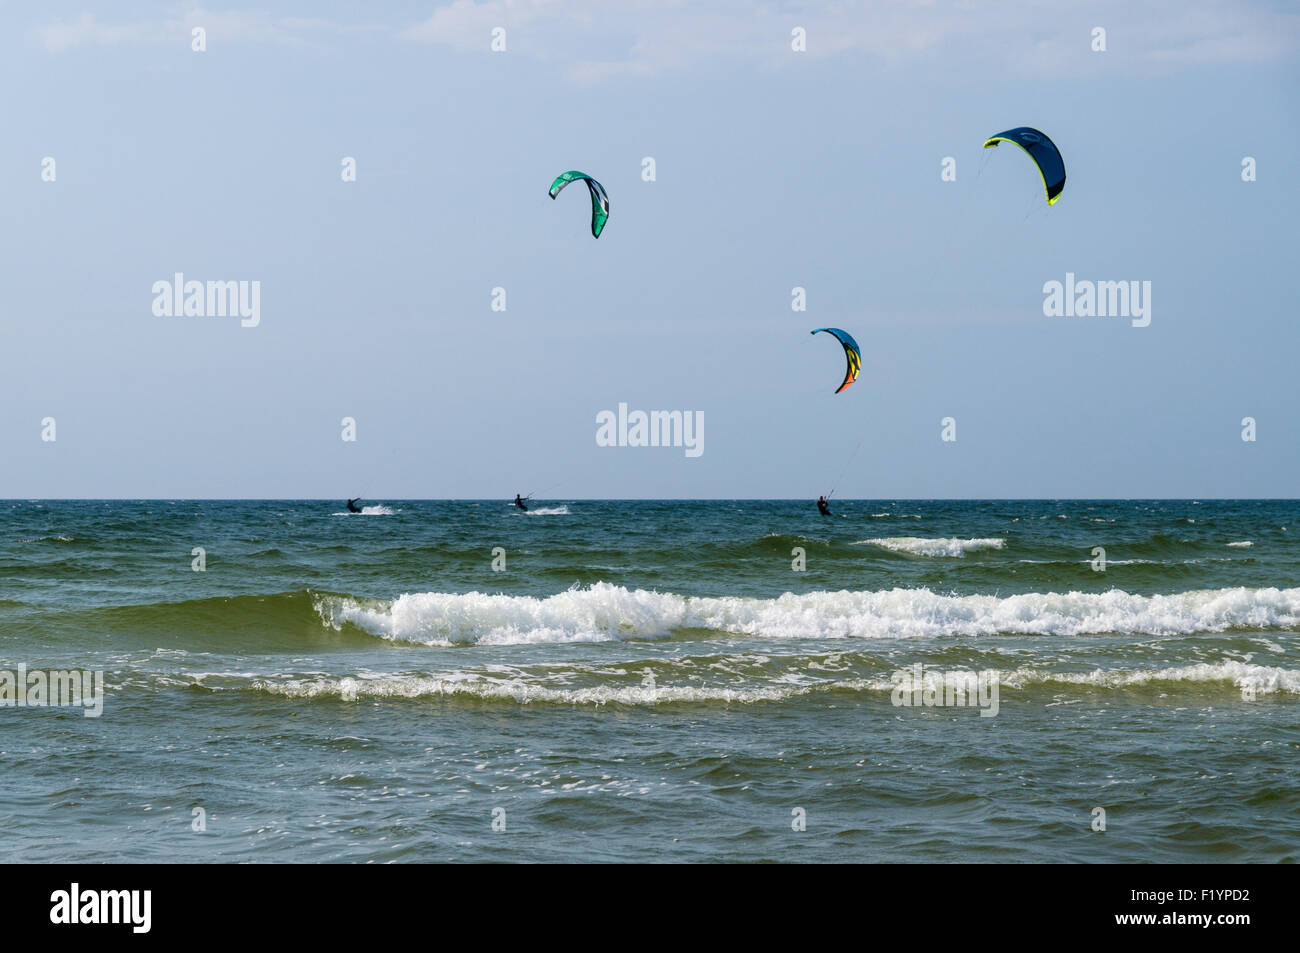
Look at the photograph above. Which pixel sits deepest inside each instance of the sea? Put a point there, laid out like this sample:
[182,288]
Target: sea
[1059,681]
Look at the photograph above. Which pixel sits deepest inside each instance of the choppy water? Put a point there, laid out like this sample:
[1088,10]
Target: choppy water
[653,681]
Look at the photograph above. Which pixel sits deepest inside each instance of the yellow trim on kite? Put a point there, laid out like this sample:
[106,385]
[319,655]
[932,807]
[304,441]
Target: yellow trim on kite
[992,144]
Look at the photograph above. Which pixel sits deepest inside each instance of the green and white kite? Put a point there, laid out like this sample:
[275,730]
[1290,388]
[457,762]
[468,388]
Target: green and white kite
[599,200]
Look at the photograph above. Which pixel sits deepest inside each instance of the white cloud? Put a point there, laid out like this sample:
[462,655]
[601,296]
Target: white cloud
[87,31]
[221,26]
[466,25]
[598,39]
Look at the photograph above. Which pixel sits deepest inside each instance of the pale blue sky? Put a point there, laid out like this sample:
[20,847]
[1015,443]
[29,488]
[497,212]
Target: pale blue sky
[775,169]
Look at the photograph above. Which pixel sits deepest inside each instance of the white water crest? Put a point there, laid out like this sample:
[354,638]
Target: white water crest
[605,612]
[921,546]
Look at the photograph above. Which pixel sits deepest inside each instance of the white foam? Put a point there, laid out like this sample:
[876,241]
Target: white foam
[1245,543]
[523,692]
[549,511]
[483,685]
[920,546]
[605,612]
[368,511]
[1263,679]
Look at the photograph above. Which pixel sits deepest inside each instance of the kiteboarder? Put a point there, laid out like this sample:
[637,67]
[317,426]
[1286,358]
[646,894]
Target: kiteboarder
[519,502]
[352,505]
[823,507]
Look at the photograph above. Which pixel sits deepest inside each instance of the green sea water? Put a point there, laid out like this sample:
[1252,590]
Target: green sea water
[653,681]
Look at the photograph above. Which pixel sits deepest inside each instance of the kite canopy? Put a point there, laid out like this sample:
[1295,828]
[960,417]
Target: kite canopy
[852,354]
[599,200]
[1044,153]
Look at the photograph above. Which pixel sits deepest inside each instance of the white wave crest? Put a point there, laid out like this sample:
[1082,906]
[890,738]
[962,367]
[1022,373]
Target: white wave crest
[606,612]
[599,614]
[920,546]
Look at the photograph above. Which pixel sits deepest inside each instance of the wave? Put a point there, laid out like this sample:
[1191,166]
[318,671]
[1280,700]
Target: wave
[379,510]
[605,612]
[920,546]
[549,511]
[1243,544]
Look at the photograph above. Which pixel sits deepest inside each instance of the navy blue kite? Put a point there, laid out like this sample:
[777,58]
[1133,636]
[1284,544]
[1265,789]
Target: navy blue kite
[1044,153]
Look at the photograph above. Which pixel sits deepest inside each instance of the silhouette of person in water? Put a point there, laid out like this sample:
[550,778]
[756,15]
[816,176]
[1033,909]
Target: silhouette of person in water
[352,505]
[520,503]
[823,507]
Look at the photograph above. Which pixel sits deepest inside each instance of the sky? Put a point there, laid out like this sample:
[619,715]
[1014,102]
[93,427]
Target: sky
[129,156]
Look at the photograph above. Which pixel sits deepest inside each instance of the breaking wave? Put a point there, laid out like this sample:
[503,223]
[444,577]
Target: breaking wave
[605,612]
